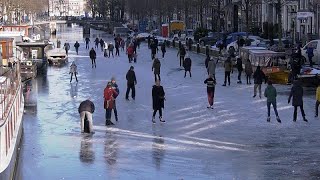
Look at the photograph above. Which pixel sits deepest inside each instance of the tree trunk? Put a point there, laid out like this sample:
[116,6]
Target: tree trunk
[201,13]
[279,23]
[247,15]
[212,19]
[218,17]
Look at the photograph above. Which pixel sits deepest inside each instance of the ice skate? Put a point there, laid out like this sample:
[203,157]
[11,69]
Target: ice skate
[268,119]
[153,120]
[304,119]
[278,119]
[161,120]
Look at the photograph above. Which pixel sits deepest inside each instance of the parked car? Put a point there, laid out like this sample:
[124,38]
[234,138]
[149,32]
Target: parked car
[254,41]
[316,51]
[143,36]
[211,39]
[232,37]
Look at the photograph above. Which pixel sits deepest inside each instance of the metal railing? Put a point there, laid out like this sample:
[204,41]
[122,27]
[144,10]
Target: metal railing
[9,85]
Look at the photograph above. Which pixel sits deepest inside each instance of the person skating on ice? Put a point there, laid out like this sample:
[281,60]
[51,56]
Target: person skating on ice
[211,69]
[93,56]
[211,83]
[258,77]
[240,69]
[227,70]
[156,65]
[66,47]
[131,82]
[158,98]
[296,94]
[115,87]
[163,49]
[109,95]
[76,46]
[73,71]
[271,94]
[97,41]
[187,65]
[86,109]
[248,70]
[317,100]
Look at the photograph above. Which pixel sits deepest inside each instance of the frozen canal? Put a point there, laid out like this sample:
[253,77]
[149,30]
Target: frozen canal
[233,141]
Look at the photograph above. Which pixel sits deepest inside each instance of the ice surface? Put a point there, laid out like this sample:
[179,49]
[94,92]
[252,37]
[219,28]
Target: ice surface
[232,141]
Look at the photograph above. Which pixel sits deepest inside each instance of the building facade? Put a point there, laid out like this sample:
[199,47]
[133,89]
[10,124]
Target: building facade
[66,8]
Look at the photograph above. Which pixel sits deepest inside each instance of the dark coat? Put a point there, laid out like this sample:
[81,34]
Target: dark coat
[187,64]
[86,105]
[157,97]
[76,45]
[239,64]
[182,51]
[131,77]
[259,76]
[153,47]
[156,66]
[211,83]
[163,47]
[248,68]
[296,94]
[207,61]
[92,54]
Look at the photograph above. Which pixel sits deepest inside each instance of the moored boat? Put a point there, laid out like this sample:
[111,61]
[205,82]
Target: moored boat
[11,112]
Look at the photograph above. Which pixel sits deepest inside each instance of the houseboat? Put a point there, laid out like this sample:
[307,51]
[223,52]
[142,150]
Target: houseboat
[11,112]
[57,57]
[33,60]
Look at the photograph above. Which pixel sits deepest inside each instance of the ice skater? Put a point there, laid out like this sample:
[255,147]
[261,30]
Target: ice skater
[158,98]
[317,100]
[211,83]
[271,94]
[93,56]
[297,100]
[76,46]
[258,77]
[227,70]
[240,69]
[115,87]
[109,95]
[66,47]
[131,82]
[156,65]
[248,70]
[86,109]
[187,65]
[73,71]
[87,40]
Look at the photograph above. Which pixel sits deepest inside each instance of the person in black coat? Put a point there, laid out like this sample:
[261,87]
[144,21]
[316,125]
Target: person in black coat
[187,66]
[86,109]
[163,49]
[240,69]
[158,98]
[211,83]
[206,62]
[77,45]
[297,100]
[153,48]
[131,82]
[258,77]
[182,52]
[93,56]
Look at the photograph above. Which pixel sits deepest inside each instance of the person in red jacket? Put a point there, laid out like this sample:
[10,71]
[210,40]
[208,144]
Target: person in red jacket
[130,52]
[109,95]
